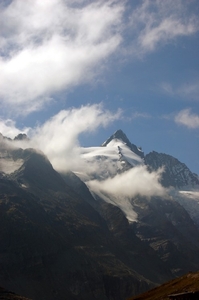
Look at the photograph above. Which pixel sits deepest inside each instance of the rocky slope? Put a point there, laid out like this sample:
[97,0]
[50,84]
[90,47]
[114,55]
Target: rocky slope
[175,173]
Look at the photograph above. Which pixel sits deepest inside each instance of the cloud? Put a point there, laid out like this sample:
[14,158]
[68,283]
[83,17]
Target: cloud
[58,137]
[160,22]
[50,46]
[189,91]
[53,46]
[136,181]
[188,119]
[120,189]
[137,115]
[8,128]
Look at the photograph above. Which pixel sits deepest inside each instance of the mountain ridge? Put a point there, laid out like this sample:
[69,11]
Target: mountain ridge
[61,239]
[176,174]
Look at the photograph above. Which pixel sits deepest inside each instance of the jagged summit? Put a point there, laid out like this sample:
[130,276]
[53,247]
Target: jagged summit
[120,135]
[21,137]
[175,174]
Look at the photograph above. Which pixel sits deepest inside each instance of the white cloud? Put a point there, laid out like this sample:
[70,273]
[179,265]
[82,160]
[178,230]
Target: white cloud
[159,22]
[166,30]
[8,128]
[137,115]
[48,46]
[52,46]
[188,119]
[58,137]
[120,189]
[167,88]
[136,181]
[189,91]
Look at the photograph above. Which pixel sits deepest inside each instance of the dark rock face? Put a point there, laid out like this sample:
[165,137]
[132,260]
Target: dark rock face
[55,245]
[167,227]
[141,256]
[175,174]
[20,137]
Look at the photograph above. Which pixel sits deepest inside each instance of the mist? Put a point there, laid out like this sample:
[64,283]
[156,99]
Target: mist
[120,189]
[136,181]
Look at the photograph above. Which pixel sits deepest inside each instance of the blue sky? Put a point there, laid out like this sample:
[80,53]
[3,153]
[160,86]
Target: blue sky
[73,72]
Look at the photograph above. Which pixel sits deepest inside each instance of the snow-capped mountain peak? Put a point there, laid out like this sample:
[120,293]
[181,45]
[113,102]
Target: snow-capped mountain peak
[120,135]
[125,153]
[113,157]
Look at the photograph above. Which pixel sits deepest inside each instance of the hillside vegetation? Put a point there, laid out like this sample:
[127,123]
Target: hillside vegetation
[186,283]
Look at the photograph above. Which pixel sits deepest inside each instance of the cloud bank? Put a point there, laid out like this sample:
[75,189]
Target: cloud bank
[50,46]
[120,189]
[136,181]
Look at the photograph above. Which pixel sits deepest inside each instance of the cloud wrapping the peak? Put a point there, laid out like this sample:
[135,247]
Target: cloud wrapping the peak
[58,137]
[136,181]
[120,189]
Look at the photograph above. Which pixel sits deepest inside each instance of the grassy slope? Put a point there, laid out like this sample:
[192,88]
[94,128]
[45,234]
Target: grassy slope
[188,282]
[5,295]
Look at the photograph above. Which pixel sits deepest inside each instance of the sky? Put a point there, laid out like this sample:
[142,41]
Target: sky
[72,72]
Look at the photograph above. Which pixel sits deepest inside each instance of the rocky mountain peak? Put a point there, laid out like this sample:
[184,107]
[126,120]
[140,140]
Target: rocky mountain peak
[21,137]
[175,174]
[120,135]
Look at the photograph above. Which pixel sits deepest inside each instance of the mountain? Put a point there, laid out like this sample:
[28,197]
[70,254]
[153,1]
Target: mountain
[113,157]
[6,295]
[175,173]
[167,223]
[64,238]
[187,285]
[120,135]
[55,244]
[21,137]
